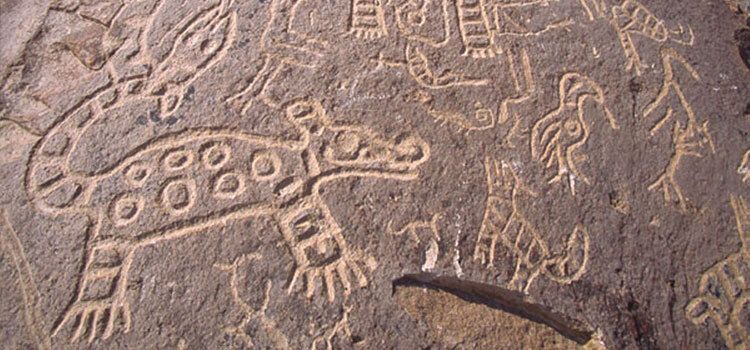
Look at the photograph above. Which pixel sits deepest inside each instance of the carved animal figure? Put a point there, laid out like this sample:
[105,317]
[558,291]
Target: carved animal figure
[632,18]
[56,187]
[50,181]
[506,231]
[689,136]
[435,82]
[485,30]
[557,137]
[153,195]
[425,24]
[723,291]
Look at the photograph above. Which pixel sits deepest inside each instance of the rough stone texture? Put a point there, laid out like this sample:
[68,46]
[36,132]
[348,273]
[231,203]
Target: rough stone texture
[460,323]
[264,174]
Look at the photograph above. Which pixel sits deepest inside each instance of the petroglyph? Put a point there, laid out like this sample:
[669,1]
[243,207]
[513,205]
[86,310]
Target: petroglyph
[413,228]
[49,173]
[415,18]
[486,117]
[229,185]
[484,28]
[744,168]
[367,19]
[510,18]
[557,137]
[689,136]
[595,9]
[474,26]
[123,58]
[283,181]
[281,46]
[425,74]
[10,243]
[419,67]
[177,197]
[723,288]
[261,174]
[631,19]
[484,24]
[505,230]
[269,326]
[197,48]
[261,324]
[199,45]
[426,25]
[215,156]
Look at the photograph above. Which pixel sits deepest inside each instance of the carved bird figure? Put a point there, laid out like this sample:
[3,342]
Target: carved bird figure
[632,19]
[690,137]
[559,135]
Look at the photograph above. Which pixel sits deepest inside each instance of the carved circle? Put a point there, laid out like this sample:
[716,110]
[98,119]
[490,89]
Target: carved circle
[178,159]
[229,185]
[266,166]
[573,127]
[483,115]
[125,209]
[416,19]
[412,150]
[137,173]
[348,142]
[178,196]
[215,156]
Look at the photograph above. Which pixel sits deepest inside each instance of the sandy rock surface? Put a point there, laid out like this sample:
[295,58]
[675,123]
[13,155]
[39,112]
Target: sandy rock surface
[374,174]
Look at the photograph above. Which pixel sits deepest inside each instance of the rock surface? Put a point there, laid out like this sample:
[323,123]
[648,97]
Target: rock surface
[282,173]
